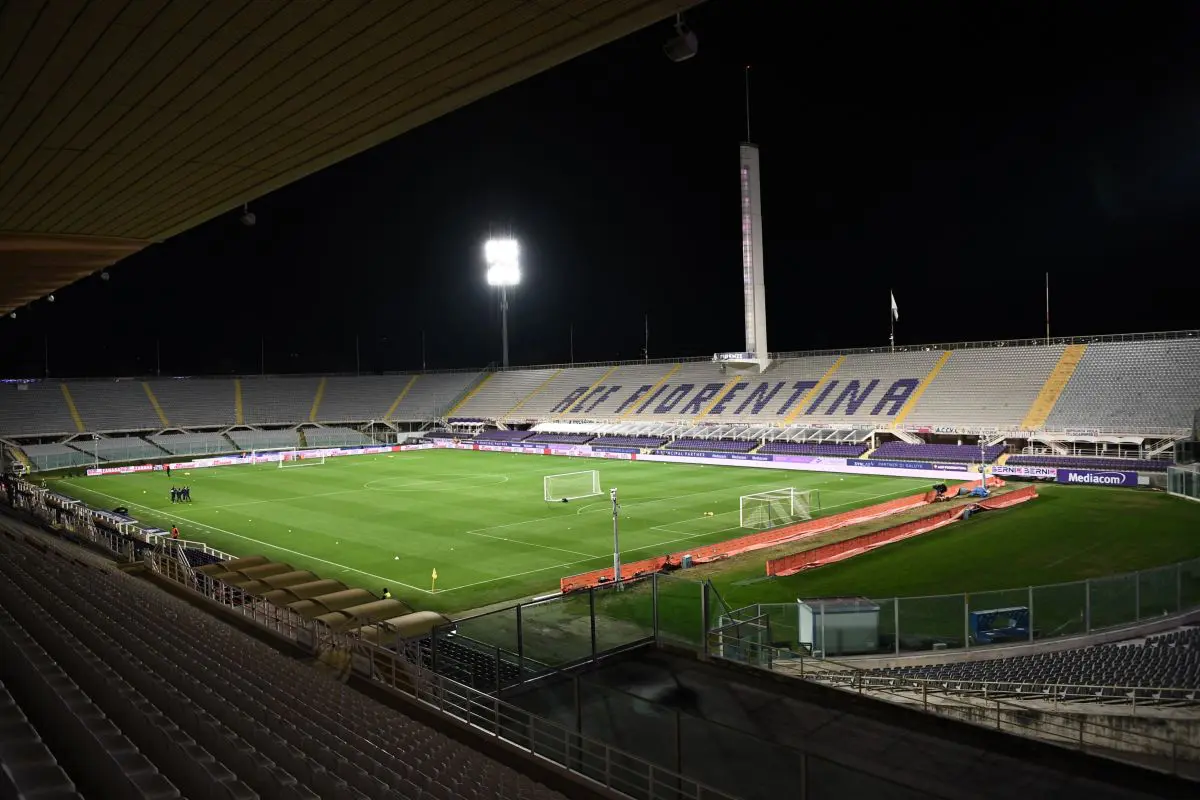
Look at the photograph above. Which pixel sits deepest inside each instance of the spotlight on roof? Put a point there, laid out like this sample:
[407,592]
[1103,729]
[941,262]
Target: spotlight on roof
[683,45]
[248,218]
[50,299]
[104,276]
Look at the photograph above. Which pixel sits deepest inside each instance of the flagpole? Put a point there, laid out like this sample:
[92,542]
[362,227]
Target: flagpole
[1047,308]
[892,319]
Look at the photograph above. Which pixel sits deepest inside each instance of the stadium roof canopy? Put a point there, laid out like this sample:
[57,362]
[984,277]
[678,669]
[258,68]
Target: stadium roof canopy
[124,122]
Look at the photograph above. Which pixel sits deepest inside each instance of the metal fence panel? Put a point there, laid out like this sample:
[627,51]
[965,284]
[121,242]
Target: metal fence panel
[1113,601]
[932,623]
[1158,592]
[1060,609]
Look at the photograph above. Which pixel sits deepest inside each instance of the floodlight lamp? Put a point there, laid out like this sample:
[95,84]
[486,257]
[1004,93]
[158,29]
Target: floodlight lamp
[503,258]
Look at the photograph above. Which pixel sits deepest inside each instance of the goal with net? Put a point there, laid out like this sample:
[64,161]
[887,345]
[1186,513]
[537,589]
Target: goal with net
[300,458]
[571,485]
[778,507]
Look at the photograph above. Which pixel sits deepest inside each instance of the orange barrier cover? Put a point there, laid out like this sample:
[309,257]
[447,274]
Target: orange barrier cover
[756,541]
[839,551]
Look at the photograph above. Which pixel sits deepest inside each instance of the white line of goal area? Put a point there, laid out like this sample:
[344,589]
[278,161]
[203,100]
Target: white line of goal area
[251,539]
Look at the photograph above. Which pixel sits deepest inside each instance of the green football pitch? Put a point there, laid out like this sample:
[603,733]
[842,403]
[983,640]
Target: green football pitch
[479,519]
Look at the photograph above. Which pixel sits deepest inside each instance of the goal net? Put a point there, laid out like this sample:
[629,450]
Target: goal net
[778,507]
[571,485]
[300,458]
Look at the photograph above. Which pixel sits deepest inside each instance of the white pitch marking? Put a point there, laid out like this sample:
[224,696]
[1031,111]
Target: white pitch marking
[256,541]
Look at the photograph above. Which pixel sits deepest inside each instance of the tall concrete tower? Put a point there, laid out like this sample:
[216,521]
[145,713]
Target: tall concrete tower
[753,284]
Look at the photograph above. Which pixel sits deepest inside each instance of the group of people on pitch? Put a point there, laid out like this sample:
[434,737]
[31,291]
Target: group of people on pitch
[181,494]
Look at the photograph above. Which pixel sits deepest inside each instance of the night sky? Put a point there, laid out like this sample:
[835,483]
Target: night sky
[953,153]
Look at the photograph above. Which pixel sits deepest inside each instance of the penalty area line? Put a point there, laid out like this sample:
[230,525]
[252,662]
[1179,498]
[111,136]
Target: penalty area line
[343,567]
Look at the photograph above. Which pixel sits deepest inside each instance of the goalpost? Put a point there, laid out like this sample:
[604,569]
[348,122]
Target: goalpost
[777,507]
[571,485]
[300,458]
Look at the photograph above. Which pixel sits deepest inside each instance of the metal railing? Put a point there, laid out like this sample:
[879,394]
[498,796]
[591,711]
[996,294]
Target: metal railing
[1082,730]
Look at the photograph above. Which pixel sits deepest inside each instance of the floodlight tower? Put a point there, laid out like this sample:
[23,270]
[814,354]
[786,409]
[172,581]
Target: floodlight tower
[503,258]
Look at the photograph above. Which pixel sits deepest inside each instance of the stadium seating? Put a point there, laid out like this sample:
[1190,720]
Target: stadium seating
[148,697]
[1132,386]
[195,402]
[124,448]
[349,399]
[629,441]
[561,438]
[114,405]
[265,440]
[502,392]
[502,436]
[986,387]
[715,445]
[335,437]
[955,453]
[1168,661]
[193,444]
[34,409]
[814,449]
[1147,387]
[277,400]
[56,456]
[1092,462]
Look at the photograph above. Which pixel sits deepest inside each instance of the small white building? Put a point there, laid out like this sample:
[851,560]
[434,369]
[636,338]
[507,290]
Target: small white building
[838,626]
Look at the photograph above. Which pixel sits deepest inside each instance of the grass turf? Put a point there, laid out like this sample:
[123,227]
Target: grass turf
[477,518]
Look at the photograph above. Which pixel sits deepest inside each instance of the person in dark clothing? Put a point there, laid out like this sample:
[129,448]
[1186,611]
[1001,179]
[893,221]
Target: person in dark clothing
[174,495]
[168,468]
[187,494]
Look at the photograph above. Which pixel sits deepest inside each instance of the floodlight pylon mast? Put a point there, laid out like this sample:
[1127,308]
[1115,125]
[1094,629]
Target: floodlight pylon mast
[504,324]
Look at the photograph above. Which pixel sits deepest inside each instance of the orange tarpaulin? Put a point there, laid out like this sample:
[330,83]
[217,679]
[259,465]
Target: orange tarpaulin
[756,541]
[839,551]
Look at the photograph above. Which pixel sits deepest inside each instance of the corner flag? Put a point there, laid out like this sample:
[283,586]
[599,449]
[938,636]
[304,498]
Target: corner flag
[895,308]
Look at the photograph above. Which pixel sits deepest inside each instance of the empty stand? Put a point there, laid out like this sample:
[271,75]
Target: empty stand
[1132,387]
[33,409]
[986,387]
[56,456]
[1163,667]
[193,444]
[502,392]
[189,706]
[715,445]
[265,440]
[196,402]
[114,406]
[277,400]
[336,437]
[955,453]
[1092,462]
[814,449]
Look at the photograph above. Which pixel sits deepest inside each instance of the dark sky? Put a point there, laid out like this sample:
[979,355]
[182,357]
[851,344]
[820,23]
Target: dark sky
[953,152]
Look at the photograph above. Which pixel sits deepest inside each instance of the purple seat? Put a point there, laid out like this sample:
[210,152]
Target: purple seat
[1092,462]
[629,441]
[560,438]
[955,453]
[813,449]
[503,436]
[718,445]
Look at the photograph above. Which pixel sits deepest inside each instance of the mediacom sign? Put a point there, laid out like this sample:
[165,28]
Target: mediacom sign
[1091,477]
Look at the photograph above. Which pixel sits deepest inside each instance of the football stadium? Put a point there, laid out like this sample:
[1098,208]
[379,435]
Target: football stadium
[892,572]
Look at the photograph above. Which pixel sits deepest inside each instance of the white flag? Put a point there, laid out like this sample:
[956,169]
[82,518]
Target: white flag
[895,308]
